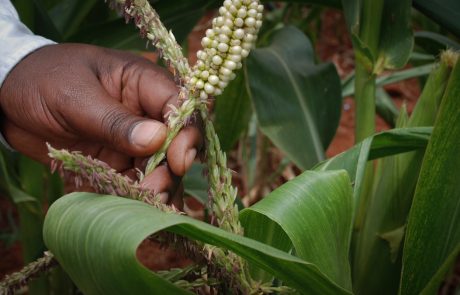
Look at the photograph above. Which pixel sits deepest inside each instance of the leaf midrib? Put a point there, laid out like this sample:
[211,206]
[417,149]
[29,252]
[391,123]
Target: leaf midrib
[306,111]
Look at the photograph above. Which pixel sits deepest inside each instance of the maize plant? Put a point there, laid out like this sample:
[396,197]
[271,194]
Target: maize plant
[382,217]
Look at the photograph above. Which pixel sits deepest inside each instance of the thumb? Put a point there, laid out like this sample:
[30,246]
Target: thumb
[146,137]
[104,119]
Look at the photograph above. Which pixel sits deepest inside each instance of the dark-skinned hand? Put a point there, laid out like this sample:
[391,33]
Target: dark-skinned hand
[105,103]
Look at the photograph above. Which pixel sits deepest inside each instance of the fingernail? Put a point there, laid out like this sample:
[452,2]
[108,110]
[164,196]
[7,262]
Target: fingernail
[145,132]
[189,157]
[164,197]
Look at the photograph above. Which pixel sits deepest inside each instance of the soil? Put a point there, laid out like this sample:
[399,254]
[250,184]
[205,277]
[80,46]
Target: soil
[333,45]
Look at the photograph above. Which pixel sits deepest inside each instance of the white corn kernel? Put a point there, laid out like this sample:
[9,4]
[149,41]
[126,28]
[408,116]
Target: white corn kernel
[242,12]
[203,95]
[238,34]
[222,47]
[239,22]
[205,42]
[235,49]
[199,84]
[209,88]
[204,75]
[224,71]
[213,79]
[229,64]
[250,22]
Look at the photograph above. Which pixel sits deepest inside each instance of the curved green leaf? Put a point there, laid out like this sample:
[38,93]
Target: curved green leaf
[296,101]
[95,239]
[433,236]
[313,214]
[379,145]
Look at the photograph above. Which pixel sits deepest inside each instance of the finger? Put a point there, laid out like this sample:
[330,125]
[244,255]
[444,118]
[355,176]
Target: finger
[102,118]
[161,181]
[141,162]
[145,87]
[131,174]
[26,143]
[183,149]
[116,160]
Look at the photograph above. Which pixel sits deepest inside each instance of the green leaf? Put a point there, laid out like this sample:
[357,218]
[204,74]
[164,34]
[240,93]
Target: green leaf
[379,145]
[349,84]
[313,214]
[396,37]
[44,25]
[181,16]
[390,200]
[112,34]
[30,211]
[433,239]
[95,238]
[380,32]
[444,12]
[196,184]
[297,102]
[434,43]
[68,15]
[385,106]
[232,112]
[331,3]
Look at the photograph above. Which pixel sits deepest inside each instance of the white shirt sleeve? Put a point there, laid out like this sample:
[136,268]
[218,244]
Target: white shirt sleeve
[16,40]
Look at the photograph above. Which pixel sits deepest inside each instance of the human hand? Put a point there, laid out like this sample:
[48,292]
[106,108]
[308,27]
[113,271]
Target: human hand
[105,103]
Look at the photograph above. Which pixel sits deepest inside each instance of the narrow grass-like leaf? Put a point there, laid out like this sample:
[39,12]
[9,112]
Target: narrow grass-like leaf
[434,43]
[349,85]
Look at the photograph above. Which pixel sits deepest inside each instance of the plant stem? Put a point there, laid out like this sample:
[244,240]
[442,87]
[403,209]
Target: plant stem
[365,103]
[371,17]
[19,279]
[365,94]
